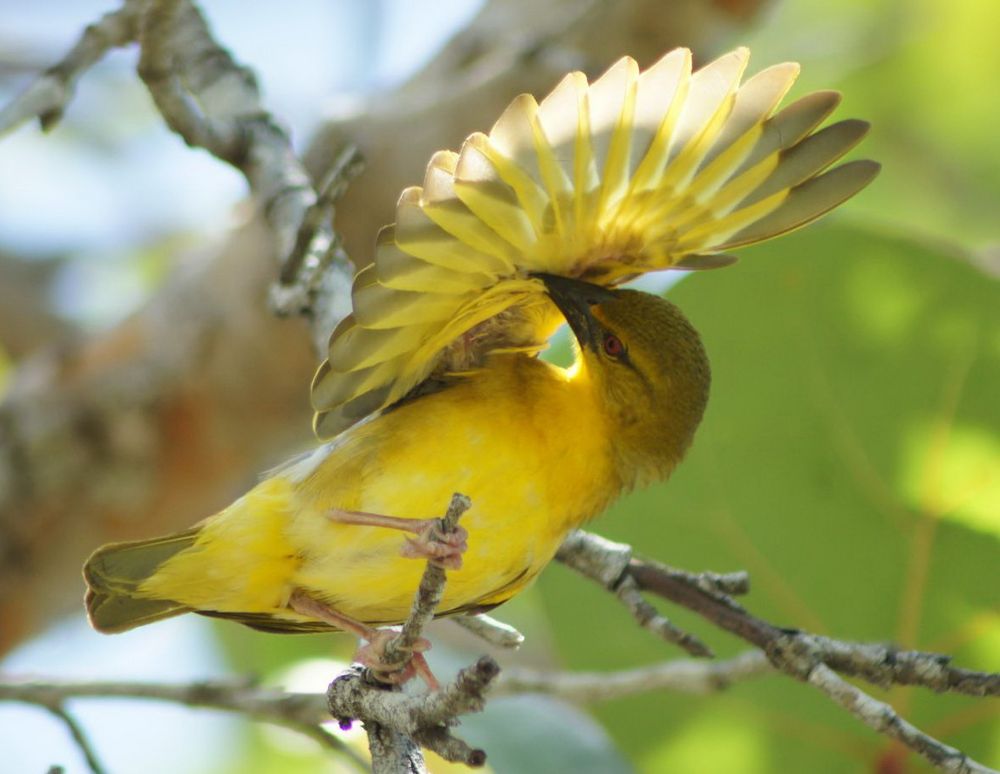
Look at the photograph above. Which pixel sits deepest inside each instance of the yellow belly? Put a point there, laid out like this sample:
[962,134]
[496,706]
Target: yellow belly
[521,440]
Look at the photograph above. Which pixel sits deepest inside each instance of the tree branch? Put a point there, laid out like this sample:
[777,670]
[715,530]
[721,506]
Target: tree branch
[885,720]
[405,715]
[396,723]
[491,630]
[398,715]
[430,591]
[807,657]
[302,712]
[119,424]
[47,97]
[214,103]
[679,675]
[424,718]
[79,737]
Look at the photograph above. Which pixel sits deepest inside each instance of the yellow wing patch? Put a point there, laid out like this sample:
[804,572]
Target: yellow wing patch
[636,172]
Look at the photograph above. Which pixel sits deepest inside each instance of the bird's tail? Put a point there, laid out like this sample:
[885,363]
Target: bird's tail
[115,574]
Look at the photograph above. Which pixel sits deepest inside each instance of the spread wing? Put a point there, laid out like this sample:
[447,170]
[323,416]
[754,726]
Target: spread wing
[636,172]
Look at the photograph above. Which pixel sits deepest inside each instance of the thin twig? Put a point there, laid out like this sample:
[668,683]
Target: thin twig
[47,97]
[77,732]
[396,723]
[885,720]
[329,742]
[607,562]
[307,710]
[649,618]
[302,712]
[430,591]
[681,676]
[807,657]
[490,629]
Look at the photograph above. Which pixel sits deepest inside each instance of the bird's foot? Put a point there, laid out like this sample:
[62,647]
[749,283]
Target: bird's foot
[444,549]
[413,664]
[373,653]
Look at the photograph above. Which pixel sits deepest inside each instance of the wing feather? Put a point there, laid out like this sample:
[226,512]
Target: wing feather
[808,201]
[419,236]
[637,171]
[489,198]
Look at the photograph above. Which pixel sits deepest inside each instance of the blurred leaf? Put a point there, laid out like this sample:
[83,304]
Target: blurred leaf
[923,73]
[848,460]
[540,735]
[5,370]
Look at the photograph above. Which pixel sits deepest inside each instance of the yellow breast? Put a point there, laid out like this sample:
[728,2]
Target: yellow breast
[520,438]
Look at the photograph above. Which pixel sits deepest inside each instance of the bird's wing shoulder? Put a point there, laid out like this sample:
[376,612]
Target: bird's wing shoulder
[635,172]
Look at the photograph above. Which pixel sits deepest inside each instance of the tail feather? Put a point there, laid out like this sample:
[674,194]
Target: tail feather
[114,575]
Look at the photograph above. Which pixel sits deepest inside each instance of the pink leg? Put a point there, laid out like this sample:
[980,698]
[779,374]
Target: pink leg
[372,654]
[445,550]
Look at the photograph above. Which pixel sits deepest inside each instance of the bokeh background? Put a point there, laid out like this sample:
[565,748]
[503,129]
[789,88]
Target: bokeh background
[850,458]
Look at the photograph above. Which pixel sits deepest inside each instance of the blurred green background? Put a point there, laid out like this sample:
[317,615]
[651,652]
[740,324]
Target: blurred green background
[850,457]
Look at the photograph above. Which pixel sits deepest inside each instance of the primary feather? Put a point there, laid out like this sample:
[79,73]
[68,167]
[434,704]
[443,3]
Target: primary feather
[635,172]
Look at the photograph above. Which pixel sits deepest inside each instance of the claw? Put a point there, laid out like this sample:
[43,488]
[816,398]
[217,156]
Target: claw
[443,549]
[372,655]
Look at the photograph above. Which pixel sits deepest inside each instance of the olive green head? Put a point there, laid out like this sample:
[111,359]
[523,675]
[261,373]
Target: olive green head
[648,367]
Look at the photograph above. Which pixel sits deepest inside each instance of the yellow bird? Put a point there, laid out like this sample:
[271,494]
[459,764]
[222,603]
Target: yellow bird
[432,384]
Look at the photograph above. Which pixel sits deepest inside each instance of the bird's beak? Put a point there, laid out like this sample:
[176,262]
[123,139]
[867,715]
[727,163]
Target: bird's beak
[574,298]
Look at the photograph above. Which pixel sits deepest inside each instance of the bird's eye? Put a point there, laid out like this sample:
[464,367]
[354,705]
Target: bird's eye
[613,346]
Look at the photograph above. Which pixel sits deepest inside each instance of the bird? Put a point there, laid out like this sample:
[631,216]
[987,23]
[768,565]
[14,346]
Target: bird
[433,384]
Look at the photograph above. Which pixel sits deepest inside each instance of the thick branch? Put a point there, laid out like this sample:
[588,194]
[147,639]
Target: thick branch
[214,103]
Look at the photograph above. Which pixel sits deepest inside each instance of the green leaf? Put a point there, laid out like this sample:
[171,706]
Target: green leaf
[922,72]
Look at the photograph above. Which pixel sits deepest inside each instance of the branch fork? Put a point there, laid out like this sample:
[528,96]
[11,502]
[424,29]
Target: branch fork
[811,658]
[398,724]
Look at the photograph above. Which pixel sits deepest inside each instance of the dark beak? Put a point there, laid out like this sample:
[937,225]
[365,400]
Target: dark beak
[574,298]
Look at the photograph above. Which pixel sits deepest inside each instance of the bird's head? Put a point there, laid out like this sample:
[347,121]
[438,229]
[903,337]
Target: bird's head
[647,367]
